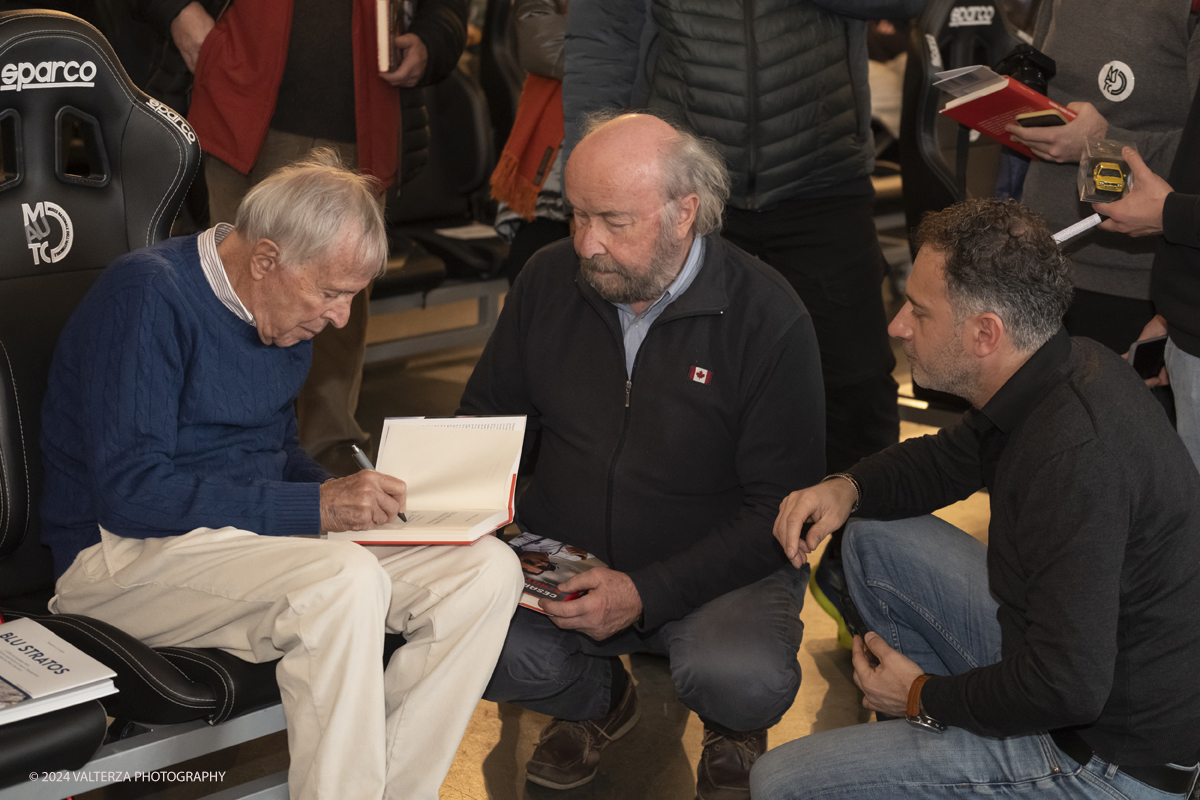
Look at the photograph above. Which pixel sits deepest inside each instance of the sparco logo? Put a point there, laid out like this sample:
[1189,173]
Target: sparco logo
[46,75]
[37,231]
[168,113]
[968,16]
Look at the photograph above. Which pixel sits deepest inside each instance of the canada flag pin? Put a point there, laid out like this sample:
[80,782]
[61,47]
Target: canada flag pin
[700,375]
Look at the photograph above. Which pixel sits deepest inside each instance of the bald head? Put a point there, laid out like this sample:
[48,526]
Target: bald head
[624,152]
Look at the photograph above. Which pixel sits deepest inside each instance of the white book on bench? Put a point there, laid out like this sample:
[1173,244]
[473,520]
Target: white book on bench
[41,672]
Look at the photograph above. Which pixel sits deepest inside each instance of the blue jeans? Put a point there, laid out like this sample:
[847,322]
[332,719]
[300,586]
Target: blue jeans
[1184,371]
[733,660]
[921,584]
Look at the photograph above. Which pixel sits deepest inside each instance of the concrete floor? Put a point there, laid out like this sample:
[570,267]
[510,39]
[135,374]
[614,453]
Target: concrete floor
[658,758]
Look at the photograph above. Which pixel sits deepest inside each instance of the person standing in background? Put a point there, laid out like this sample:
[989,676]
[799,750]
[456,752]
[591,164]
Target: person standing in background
[532,212]
[1128,71]
[275,79]
[1155,206]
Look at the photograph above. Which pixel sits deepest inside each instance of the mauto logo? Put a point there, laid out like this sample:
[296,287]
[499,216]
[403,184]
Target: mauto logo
[46,75]
[38,230]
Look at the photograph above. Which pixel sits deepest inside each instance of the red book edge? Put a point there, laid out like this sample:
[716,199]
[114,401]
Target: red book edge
[1037,99]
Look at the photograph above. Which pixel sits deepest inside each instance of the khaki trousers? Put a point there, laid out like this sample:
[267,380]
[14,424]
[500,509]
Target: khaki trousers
[327,403]
[355,730]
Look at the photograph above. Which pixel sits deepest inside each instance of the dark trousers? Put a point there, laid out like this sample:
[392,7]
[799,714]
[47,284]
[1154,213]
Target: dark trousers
[1113,321]
[733,660]
[828,250]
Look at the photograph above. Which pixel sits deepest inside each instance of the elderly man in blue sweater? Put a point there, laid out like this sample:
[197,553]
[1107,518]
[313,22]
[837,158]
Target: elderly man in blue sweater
[180,506]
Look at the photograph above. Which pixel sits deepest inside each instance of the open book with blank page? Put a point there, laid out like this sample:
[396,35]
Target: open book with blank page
[461,474]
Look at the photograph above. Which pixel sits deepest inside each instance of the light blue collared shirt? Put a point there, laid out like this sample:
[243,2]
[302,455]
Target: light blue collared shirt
[636,326]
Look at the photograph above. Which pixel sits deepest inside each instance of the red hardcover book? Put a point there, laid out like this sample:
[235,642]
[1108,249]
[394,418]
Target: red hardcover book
[996,105]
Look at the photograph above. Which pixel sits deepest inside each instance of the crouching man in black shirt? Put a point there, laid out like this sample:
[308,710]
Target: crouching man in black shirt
[1061,657]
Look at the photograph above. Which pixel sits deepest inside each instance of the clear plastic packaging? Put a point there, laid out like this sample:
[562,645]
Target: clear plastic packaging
[1104,174]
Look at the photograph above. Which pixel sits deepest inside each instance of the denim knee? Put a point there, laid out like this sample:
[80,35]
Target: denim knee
[861,540]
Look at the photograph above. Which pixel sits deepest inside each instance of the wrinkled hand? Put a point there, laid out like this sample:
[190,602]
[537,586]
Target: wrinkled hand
[412,62]
[612,603]
[827,505]
[189,29]
[1063,143]
[362,501]
[1155,328]
[1140,211]
[885,686]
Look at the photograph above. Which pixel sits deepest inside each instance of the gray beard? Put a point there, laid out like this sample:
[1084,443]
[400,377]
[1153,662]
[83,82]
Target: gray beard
[613,281]
[953,378]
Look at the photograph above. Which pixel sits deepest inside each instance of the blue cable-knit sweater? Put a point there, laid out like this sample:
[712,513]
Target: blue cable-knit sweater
[165,413]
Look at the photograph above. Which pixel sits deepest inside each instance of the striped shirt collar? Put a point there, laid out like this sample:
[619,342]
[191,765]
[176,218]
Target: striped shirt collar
[214,271]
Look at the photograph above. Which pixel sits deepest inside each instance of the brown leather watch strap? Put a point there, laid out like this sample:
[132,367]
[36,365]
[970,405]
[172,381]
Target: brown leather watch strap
[914,695]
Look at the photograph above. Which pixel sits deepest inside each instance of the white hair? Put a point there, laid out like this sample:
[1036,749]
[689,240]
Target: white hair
[306,206]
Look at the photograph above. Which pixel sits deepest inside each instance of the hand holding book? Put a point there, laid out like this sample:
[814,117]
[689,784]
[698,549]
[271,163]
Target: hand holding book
[611,603]
[413,56]
[1063,143]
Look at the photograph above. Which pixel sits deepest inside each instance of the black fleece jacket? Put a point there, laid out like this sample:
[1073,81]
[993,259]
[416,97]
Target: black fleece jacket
[673,481]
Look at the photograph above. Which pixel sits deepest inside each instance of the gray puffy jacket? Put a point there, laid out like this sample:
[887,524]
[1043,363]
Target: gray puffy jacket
[781,85]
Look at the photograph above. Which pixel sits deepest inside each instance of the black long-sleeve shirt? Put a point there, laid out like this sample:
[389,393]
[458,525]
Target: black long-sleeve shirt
[1093,555]
[1175,276]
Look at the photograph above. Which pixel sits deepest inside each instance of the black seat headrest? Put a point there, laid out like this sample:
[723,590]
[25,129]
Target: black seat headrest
[92,166]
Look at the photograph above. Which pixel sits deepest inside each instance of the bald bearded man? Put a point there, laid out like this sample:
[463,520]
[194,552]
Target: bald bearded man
[675,385]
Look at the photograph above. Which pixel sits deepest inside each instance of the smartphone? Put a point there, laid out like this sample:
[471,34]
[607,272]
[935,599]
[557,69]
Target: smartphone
[1148,356]
[1041,119]
[856,625]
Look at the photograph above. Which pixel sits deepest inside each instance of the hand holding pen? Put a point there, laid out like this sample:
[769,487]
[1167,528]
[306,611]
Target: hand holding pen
[361,458]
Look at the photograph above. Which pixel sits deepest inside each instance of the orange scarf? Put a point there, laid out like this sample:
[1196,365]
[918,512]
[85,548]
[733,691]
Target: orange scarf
[537,134]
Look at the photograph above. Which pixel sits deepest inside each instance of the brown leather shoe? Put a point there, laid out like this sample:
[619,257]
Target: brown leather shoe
[569,752]
[724,770]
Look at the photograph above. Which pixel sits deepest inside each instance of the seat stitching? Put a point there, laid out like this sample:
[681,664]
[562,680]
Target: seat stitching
[119,651]
[24,458]
[211,663]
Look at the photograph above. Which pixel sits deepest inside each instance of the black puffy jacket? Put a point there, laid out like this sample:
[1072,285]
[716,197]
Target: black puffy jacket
[781,85]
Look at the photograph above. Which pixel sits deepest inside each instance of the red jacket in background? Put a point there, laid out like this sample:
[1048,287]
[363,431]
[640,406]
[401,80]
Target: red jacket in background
[237,83]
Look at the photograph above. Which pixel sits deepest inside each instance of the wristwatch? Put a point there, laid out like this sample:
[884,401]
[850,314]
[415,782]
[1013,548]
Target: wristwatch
[915,715]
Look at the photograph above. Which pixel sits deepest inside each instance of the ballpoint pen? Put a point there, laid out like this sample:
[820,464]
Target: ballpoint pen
[365,463]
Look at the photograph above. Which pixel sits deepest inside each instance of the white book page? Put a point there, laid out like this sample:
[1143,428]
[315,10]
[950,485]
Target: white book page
[991,88]
[459,519]
[476,230]
[463,463]
[967,80]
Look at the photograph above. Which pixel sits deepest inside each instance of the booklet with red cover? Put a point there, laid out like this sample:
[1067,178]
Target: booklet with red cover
[987,102]
[547,563]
